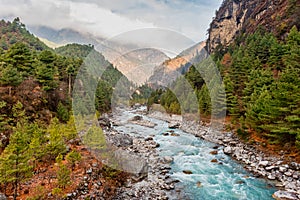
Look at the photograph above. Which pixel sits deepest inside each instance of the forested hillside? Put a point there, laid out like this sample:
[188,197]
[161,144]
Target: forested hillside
[38,138]
[13,32]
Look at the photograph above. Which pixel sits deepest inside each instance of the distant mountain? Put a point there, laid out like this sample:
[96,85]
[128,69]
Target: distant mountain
[137,65]
[62,36]
[171,69]
[13,32]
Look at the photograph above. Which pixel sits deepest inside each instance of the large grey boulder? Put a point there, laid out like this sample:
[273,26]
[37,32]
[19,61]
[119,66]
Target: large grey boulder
[120,140]
[174,125]
[133,164]
[227,150]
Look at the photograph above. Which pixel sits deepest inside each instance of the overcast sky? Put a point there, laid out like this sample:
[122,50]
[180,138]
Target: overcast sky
[108,18]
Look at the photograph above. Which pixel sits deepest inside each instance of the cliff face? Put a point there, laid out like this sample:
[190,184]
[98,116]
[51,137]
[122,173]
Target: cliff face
[245,16]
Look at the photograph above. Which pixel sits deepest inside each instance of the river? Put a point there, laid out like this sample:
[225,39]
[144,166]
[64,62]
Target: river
[224,178]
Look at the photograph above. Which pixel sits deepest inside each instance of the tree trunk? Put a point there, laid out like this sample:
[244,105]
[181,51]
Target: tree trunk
[70,82]
[15,189]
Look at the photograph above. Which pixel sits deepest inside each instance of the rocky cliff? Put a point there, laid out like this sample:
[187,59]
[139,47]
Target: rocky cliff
[235,17]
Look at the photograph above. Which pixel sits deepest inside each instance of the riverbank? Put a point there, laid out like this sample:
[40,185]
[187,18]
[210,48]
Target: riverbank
[284,175]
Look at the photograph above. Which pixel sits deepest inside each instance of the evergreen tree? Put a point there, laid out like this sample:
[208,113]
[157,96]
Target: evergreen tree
[20,56]
[72,158]
[56,143]
[14,165]
[63,176]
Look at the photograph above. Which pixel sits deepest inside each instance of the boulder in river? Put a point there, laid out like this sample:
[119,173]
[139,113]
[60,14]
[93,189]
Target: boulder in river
[137,118]
[167,159]
[104,122]
[187,172]
[199,184]
[174,125]
[214,152]
[121,140]
[227,150]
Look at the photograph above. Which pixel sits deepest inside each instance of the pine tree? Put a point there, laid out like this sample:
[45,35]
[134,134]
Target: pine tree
[56,143]
[20,56]
[14,166]
[63,176]
[72,158]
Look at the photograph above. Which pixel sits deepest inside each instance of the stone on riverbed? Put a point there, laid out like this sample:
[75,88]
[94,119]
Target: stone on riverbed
[264,163]
[280,195]
[214,152]
[227,150]
[137,118]
[132,164]
[174,125]
[187,172]
[199,184]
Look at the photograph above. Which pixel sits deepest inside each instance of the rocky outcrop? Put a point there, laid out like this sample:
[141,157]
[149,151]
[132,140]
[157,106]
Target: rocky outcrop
[243,16]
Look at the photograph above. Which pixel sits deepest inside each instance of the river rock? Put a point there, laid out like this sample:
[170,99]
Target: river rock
[174,125]
[280,195]
[227,150]
[132,164]
[271,177]
[104,122]
[167,159]
[199,184]
[264,163]
[165,134]
[214,152]
[187,172]
[121,140]
[282,169]
[214,160]
[269,168]
[137,118]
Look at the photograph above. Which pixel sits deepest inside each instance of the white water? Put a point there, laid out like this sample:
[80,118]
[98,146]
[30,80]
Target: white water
[224,180]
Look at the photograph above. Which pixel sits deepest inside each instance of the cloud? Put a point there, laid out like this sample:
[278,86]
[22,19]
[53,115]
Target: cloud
[110,17]
[172,25]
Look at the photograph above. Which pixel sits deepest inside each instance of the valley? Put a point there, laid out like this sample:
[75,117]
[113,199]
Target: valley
[150,113]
